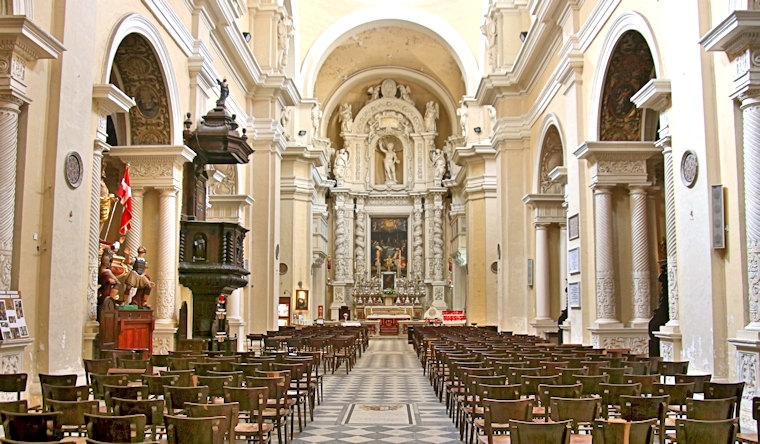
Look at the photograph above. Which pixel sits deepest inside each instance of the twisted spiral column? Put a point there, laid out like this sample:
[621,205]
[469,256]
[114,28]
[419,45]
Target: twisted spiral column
[751,115]
[167,252]
[543,303]
[670,234]
[640,256]
[9,112]
[606,297]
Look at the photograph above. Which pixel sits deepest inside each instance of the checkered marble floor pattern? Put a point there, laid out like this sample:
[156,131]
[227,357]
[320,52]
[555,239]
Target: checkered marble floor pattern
[387,376]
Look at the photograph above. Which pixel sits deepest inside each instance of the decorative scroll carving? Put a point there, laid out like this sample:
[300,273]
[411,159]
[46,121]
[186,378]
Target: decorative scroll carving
[666,350]
[161,345]
[228,185]
[747,371]
[638,345]
[151,169]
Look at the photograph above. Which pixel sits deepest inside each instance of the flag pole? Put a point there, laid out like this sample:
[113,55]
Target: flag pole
[110,220]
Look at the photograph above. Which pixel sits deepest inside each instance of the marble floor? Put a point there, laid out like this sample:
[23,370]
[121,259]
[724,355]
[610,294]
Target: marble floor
[384,399]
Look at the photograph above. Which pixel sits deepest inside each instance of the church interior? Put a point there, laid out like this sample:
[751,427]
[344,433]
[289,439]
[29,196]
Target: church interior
[177,174]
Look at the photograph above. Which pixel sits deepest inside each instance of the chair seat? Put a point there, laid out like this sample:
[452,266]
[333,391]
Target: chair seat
[497,439]
[747,437]
[580,438]
[249,428]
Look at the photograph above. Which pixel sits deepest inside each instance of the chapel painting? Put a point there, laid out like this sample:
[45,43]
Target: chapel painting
[389,245]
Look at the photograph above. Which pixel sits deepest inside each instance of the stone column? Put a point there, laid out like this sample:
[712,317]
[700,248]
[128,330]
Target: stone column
[342,257]
[543,302]
[562,266]
[9,112]
[93,247]
[360,238]
[606,287]
[436,216]
[166,276]
[640,257]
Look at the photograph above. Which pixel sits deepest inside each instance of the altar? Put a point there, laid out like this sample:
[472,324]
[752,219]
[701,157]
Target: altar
[389,317]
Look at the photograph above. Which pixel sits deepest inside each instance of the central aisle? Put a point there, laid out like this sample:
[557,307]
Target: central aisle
[385,398]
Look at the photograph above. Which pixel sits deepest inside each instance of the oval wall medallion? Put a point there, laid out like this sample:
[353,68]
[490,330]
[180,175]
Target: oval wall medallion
[73,169]
[689,168]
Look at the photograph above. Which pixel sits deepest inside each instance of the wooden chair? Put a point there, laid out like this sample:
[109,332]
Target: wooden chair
[99,366]
[125,392]
[617,374]
[498,413]
[752,437]
[261,420]
[581,411]
[644,408]
[178,362]
[152,409]
[65,393]
[591,384]
[528,432]
[694,431]
[279,410]
[624,432]
[698,380]
[718,390]
[203,430]
[710,409]
[159,361]
[236,377]
[647,382]
[548,391]
[18,406]
[72,414]
[33,427]
[202,368]
[61,380]
[216,384]
[137,364]
[98,381]
[229,410]
[611,396]
[672,368]
[567,376]
[13,383]
[176,397]
[184,377]
[156,383]
[121,429]
[678,393]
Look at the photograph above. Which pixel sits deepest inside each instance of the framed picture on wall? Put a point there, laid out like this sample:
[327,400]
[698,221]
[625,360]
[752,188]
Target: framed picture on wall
[574,295]
[574,260]
[573,227]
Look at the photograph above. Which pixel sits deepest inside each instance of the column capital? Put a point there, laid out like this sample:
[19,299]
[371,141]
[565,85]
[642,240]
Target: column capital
[22,42]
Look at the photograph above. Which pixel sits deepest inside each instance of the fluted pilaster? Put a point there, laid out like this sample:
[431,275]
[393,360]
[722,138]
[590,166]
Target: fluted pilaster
[606,287]
[640,256]
[9,112]
[751,114]
[167,248]
[543,302]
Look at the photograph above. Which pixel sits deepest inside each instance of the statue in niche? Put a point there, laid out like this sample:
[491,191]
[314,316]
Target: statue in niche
[339,167]
[285,31]
[389,162]
[431,115]
[438,158]
[346,117]
[316,116]
[462,113]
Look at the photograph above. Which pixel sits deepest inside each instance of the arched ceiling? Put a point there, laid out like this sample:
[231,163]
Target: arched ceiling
[373,53]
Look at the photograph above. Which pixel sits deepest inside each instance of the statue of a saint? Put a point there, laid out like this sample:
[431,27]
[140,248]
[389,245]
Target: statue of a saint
[224,90]
[285,31]
[431,115]
[138,283]
[389,162]
[106,200]
[339,167]
[346,117]
[439,165]
[462,113]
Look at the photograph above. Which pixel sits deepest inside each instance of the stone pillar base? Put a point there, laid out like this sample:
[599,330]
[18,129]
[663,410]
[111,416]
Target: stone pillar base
[635,339]
[90,333]
[670,342]
[12,353]
[163,336]
[747,345]
[566,332]
[540,326]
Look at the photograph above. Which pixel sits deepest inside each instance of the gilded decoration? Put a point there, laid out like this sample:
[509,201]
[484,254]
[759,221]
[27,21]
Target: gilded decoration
[140,75]
[630,68]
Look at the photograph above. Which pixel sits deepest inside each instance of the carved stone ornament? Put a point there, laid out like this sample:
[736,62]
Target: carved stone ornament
[689,168]
[74,170]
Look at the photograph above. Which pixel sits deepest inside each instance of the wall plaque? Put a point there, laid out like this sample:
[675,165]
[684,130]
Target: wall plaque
[574,295]
[689,168]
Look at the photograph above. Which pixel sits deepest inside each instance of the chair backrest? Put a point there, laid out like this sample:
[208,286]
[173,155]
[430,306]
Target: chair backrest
[611,393]
[153,409]
[236,377]
[156,383]
[229,410]
[506,391]
[68,379]
[642,408]
[548,391]
[628,432]
[98,381]
[679,393]
[176,397]
[65,392]
[568,375]
[710,409]
[647,382]
[202,368]
[698,380]
[591,383]
[216,384]
[33,427]
[530,383]
[122,429]
[248,368]
[159,360]
[718,390]
[203,430]
[694,431]
[578,410]
[18,406]
[504,410]
[672,368]
[72,412]
[13,383]
[529,432]
[120,391]
[184,377]
[617,374]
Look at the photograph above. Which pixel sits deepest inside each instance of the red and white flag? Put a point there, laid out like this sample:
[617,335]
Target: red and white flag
[125,197]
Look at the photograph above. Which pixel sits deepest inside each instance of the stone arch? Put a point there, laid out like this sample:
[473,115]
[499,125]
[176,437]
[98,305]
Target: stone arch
[404,16]
[134,26]
[626,22]
[550,153]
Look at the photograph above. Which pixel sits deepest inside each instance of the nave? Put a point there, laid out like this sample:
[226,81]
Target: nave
[384,398]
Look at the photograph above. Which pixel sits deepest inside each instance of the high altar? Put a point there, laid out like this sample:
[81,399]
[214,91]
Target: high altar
[388,205]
